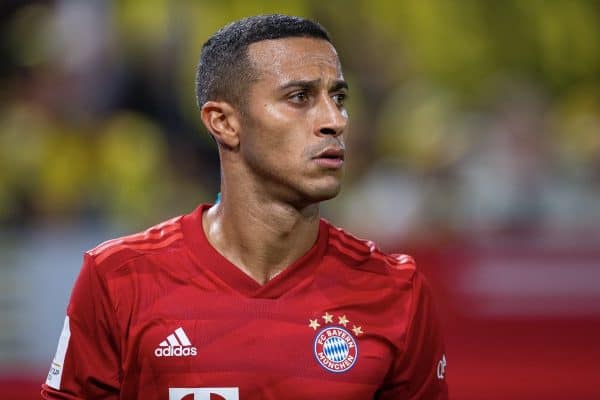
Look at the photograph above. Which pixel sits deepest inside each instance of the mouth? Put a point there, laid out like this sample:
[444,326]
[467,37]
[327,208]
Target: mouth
[330,158]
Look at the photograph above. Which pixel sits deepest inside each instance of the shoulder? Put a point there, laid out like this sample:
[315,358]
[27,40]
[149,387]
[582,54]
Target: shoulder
[365,255]
[154,240]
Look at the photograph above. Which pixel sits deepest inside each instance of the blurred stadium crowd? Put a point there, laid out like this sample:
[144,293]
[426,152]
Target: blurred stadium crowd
[474,115]
[468,117]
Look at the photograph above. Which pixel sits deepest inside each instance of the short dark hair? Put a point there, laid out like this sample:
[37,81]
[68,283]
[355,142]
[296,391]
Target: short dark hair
[224,69]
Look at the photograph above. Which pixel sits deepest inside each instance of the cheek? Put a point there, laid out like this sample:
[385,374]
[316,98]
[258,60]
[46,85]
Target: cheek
[277,133]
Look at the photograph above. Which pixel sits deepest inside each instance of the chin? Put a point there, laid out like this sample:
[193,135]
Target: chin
[324,193]
[314,192]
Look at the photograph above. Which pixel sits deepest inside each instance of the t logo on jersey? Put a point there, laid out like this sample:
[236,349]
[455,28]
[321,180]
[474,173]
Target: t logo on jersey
[204,394]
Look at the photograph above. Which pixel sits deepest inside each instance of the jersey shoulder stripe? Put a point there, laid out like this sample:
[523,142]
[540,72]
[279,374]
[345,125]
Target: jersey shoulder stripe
[350,242]
[365,253]
[154,232]
[154,238]
[346,255]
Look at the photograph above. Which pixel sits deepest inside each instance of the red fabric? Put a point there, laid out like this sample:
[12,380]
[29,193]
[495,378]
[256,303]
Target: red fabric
[135,292]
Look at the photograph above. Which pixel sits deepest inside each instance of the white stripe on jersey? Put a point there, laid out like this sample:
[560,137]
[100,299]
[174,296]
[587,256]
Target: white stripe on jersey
[56,369]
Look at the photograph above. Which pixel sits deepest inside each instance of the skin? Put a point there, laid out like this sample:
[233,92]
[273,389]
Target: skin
[273,170]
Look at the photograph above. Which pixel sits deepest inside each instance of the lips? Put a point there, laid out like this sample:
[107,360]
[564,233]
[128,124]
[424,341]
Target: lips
[330,158]
[331,153]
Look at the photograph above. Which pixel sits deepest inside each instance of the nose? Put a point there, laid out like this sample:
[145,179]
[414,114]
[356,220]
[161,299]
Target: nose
[332,118]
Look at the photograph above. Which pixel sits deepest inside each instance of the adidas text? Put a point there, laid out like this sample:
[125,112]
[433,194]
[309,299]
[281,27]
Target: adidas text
[178,351]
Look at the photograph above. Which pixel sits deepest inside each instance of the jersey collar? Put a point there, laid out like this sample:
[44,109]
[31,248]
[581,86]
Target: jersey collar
[211,261]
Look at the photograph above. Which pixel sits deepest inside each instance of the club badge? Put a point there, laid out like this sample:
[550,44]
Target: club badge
[335,348]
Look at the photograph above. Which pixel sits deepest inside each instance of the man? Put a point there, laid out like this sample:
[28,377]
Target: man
[255,297]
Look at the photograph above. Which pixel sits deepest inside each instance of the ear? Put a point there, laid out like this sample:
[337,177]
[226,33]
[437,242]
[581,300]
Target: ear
[222,121]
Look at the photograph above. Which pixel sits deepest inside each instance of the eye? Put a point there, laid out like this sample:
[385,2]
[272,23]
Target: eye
[298,97]
[340,98]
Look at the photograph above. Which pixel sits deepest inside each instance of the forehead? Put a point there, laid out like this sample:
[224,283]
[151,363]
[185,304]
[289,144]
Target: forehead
[295,58]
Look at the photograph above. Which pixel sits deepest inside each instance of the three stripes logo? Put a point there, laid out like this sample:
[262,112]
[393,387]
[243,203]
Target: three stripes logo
[176,344]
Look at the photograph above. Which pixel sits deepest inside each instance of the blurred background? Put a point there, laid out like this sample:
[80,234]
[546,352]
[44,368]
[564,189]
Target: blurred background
[474,145]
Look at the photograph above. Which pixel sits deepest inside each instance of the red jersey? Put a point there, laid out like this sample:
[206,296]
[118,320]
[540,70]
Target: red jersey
[162,315]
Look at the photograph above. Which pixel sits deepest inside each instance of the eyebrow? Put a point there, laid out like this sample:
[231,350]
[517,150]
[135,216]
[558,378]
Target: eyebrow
[311,84]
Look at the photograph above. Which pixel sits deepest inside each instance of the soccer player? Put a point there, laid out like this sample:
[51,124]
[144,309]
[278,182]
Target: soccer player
[255,297]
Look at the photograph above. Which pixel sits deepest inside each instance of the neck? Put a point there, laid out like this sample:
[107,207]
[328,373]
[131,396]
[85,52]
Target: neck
[260,236]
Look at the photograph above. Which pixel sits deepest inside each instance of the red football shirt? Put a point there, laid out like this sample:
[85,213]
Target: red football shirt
[162,315]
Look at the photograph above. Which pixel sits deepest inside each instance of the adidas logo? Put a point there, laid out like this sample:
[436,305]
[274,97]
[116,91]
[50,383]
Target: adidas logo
[177,344]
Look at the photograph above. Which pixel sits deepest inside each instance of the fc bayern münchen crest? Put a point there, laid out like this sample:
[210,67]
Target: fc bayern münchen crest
[335,349]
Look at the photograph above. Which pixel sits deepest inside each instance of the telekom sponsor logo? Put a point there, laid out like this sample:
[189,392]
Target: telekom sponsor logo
[204,393]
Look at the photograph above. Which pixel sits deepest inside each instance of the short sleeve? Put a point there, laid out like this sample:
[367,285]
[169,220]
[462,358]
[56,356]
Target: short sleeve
[418,372]
[87,361]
